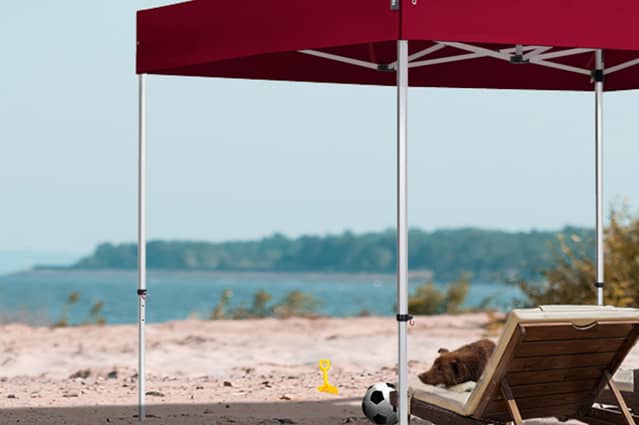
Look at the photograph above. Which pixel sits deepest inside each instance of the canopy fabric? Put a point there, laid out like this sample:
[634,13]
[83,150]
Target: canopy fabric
[453,43]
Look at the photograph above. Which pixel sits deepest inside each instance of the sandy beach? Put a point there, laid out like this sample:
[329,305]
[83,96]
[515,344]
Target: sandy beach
[214,372]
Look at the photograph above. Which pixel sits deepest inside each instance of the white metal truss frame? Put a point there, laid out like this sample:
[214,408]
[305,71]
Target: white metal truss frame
[520,54]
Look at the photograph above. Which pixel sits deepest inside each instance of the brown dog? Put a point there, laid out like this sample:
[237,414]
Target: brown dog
[464,364]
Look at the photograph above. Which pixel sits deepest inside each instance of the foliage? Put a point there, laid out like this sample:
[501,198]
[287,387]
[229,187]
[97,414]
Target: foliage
[294,304]
[219,312]
[494,325]
[487,254]
[570,280]
[72,299]
[94,317]
[95,314]
[428,300]
[260,304]
[297,303]
[259,309]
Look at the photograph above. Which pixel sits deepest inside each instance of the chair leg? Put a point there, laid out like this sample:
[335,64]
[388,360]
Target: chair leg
[602,416]
[507,393]
[619,398]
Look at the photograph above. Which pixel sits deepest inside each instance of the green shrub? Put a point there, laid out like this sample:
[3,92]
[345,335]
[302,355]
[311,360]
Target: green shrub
[72,299]
[95,314]
[260,304]
[428,300]
[297,304]
[219,312]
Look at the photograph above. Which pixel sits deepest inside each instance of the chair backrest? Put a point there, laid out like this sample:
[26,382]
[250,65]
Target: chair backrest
[555,368]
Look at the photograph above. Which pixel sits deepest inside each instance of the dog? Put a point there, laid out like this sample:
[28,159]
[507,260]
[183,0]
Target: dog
[464,364]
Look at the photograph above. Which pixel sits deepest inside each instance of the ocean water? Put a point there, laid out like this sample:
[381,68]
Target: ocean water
[40,296]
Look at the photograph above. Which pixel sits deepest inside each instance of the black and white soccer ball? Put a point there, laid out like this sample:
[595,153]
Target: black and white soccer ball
[377,406]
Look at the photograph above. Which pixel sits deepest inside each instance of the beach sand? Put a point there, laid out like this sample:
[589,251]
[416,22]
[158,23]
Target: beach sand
[254,372]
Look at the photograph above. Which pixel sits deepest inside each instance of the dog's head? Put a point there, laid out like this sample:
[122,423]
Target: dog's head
[446,370]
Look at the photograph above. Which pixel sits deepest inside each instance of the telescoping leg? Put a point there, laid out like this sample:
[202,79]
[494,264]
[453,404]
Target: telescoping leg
[598,77]
[141,243]
[402,227]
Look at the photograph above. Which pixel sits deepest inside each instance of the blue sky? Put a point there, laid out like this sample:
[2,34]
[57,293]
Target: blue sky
[242,159]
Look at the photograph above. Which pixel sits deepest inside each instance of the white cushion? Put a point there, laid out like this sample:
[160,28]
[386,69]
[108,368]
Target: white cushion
[439,396]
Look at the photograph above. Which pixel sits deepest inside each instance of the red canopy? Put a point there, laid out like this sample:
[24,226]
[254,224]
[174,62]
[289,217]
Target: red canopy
[508,44]
[463,43]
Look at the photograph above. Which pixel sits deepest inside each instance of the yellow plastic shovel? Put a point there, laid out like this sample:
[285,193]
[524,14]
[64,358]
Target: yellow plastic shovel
[324,366]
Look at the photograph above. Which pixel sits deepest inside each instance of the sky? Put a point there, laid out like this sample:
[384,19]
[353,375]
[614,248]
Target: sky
[232,159]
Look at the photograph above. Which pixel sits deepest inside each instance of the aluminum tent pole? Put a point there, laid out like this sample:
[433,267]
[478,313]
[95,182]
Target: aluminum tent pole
[402,227]
[141,242]
[598,77]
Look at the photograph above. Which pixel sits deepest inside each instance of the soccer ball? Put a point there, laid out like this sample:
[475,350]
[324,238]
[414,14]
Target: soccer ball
[377,406]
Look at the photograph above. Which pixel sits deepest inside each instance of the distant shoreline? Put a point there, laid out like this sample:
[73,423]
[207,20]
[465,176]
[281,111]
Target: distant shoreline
[445,255]
[304,275]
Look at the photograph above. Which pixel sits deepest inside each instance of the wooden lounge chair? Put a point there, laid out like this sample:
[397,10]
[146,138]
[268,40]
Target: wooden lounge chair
[553,361]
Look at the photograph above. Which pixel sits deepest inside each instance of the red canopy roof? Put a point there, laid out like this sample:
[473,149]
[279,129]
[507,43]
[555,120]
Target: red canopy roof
[513,44]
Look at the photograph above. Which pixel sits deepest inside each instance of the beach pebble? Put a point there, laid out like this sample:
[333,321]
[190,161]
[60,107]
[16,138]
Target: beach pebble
[11,396]
[227,384]
[82,374]
[285,397]
[155,394]
[112,375]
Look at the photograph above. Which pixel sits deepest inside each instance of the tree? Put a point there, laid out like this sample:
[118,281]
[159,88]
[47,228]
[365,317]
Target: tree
[571,279]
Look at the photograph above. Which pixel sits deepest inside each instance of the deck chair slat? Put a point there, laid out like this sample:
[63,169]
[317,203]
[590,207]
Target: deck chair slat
[523,391]
[498,406]
[553,376]
[553,331]
[570,346]
[546,411]
[556,362]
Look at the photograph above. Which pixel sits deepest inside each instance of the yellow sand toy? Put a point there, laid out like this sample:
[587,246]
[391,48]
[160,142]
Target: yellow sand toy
[324,366]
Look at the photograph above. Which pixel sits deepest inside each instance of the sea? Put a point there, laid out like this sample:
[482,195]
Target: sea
[41,297]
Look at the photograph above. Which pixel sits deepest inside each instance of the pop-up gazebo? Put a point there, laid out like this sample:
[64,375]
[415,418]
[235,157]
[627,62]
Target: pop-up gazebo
[501,44]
